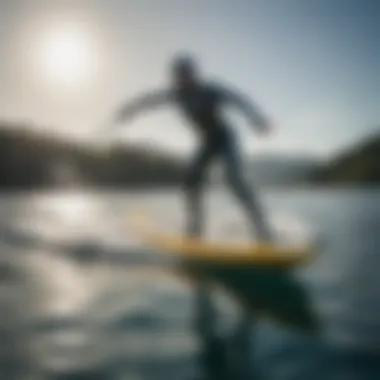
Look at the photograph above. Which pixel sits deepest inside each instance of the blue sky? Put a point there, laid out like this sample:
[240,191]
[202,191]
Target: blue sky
[312,65]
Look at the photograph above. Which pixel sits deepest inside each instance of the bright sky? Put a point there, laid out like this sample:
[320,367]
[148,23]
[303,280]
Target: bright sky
[312,65]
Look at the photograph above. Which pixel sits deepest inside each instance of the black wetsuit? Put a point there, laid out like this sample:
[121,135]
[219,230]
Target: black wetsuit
[202,105]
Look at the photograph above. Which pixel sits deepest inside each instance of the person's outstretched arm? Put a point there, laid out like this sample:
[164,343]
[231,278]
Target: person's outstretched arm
[258,119]
[148,101]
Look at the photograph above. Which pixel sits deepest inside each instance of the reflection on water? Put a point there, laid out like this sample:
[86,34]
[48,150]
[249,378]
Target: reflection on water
[76,294]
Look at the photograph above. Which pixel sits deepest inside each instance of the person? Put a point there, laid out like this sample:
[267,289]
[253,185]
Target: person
[201,102]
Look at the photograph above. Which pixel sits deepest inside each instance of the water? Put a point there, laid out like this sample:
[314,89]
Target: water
[80,295]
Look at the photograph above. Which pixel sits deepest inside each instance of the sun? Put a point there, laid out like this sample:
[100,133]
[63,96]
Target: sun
[67,56]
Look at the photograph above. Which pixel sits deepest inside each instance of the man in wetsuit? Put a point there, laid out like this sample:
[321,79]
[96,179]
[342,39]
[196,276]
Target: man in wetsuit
[201,104]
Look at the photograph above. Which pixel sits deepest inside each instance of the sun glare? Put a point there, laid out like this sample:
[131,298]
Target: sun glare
[67,55]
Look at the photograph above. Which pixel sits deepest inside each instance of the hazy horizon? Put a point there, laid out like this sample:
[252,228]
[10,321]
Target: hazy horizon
[314,67]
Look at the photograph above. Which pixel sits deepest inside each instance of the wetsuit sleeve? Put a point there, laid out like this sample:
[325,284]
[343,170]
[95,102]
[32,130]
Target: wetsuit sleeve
[243,103]
[145,102]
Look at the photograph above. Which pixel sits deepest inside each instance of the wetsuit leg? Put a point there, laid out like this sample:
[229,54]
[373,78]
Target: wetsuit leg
[194,185]
[235,178]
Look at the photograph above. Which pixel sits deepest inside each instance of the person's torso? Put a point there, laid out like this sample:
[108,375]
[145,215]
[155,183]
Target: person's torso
[202,106]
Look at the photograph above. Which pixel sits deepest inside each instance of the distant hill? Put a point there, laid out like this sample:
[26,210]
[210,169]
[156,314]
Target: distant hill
[357,165]
[30,160]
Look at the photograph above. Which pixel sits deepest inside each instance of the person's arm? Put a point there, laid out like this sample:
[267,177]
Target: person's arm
[148,101]
[258,119]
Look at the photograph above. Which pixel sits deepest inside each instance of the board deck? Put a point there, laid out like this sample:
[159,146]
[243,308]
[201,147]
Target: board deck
[228,253]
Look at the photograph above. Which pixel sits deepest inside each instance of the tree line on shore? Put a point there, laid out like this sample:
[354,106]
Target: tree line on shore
[33,160]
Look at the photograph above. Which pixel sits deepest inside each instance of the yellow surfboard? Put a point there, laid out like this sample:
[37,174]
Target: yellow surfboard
[229,253]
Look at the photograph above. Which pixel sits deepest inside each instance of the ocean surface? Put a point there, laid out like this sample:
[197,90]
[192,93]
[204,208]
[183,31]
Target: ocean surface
[82,297]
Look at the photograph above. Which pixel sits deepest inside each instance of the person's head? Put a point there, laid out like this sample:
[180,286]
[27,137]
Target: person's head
[184,71]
